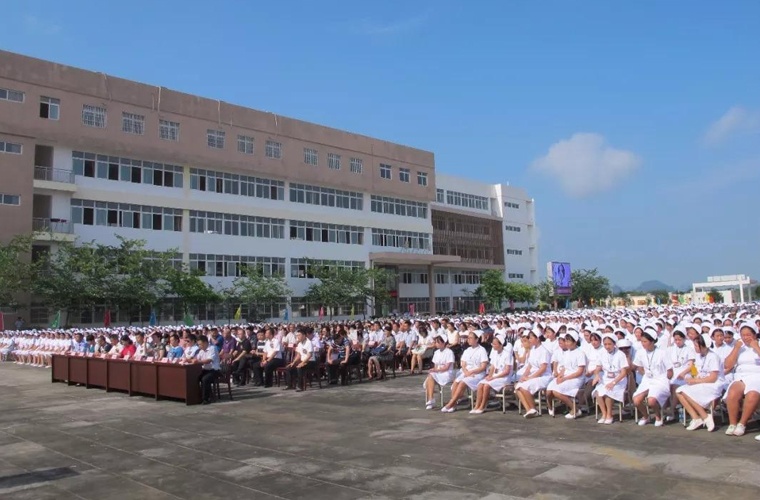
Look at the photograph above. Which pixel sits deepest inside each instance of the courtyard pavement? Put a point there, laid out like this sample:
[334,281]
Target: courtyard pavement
[369,440]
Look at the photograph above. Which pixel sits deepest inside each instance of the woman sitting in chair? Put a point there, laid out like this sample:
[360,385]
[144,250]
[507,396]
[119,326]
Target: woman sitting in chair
[383,353]
[536,376]
[569,376]
[702,386]
[745,361]
[656,369]
[474,364]
[499,372]
[423,350]
[442,372]
[610,378]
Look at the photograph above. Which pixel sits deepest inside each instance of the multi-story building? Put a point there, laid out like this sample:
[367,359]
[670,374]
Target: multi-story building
[90,156]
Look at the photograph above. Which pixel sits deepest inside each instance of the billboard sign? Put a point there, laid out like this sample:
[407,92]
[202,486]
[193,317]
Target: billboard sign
[561,276]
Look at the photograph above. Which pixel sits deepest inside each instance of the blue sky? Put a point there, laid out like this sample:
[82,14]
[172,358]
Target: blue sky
[634,125]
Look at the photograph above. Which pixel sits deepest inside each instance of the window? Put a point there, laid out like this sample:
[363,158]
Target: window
[245,144]
[439,195]
[50,108]
[414,278]
[328,197]
[326,233]
[93,116]
[10,199]
[11,95]
[516,229]
[236,225]
[235,265]
[509,204]
[400,239]
[357,165]
[467,200]
[215,138]
[219,182]
[132,123]
[467,277]
[310,156]
[11,148]
[396,206]
[274,150]
[517,276]
[333,161]
[422,178]
[101,213]
[168,131]
[403,174]
[127,170]
[385,171]
[441,278]
[304,268]
[511,251]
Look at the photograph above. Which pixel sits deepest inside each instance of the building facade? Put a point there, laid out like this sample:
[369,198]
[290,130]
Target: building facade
[90,156]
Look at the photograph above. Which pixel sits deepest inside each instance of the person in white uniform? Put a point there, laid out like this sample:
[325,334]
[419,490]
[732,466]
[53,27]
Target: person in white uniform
[499,375]
[610,378]
[703,385]
[682,356]
[745,361]
[569,375]
[536,376]
[442,372]
[474,364]
[656,369]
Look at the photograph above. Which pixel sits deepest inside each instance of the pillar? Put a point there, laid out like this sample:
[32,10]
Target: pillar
[431,288]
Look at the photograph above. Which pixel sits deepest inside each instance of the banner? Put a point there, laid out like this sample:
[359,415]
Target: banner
[238,314]
[411,309]
[482,308]
[56,321]
[321,312]
[107,318]
[152,321]
[286,316]
[2,322]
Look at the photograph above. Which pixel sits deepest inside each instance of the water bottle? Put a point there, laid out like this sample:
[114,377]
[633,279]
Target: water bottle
[680,414]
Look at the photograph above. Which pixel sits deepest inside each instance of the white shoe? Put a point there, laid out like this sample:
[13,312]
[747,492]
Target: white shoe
[643,421]
[550,411]
[739,431]
[757,438]
[571,416]
[730,430]
[429,405]
[476,412]
[601,420]
[609,421]
[531,413]
[710,423]
[448,410]
[658,423]
[695,424]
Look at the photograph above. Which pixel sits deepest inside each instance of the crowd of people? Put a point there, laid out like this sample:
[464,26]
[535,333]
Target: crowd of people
[658,362]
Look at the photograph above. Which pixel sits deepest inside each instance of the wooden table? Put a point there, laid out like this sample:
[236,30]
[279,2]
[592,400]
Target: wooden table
[158,379]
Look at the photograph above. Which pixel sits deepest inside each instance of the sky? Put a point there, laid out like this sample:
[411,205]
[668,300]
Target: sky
[635,126]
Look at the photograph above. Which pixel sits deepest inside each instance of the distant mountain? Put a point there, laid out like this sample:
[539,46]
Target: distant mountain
[616,289]
[652,286]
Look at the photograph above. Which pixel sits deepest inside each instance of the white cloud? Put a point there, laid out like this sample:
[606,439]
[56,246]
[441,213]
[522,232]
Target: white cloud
[737,120]
[585,164]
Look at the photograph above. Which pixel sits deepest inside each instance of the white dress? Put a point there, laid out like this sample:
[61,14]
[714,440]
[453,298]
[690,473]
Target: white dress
[747,370]
[537,357]
[704,394]
[441,357]
[568,363]
[681,358]
[500,361]
[655,380]
[612,364]
[472,358]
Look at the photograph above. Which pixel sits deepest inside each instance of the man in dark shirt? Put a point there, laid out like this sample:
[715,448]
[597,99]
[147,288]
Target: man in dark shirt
[240,357]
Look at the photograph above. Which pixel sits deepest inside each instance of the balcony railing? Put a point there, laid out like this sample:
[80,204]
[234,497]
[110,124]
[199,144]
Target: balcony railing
[53,174]
[52,226]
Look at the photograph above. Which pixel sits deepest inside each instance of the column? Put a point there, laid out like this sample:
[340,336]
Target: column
[741,293]
[431,288]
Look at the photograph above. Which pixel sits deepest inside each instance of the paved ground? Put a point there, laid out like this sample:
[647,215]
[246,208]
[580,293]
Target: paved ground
[370,440]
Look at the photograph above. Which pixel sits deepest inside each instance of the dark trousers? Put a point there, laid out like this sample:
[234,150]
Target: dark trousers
[298,374]
[238,370]
[207,383]
[268,370]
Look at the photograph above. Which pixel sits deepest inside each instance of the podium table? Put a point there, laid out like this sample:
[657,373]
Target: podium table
[158,379]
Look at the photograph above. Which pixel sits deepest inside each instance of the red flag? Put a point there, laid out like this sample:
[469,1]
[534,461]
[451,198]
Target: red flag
[2,322]
[107,318]
[482,308]
[411,309]
[321,312]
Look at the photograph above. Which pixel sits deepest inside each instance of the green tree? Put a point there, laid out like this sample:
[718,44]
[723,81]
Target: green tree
[545,291]
[661,297]
[190,290]
[337,286]
[258,290]
[519,292]
[589,284]
[380,281]
[756,293]
[494,288]
[16,270]
[715,296]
